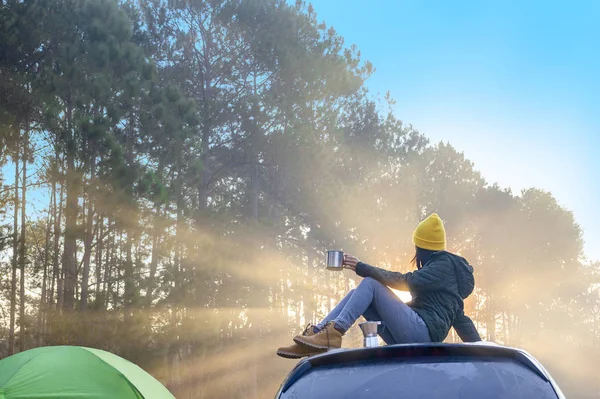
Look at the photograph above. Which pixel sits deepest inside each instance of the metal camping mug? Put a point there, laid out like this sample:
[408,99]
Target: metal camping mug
[335,260]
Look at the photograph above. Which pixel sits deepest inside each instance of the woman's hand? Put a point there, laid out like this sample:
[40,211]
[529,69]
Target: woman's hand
[350,262]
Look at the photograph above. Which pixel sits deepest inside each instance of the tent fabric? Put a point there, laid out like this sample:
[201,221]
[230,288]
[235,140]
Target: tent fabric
[148,387]
[75,372]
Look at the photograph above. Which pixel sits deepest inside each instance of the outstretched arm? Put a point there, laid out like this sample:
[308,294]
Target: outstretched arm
[429,278]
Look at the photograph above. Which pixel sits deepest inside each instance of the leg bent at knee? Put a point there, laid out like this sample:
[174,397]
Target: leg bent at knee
[370,281]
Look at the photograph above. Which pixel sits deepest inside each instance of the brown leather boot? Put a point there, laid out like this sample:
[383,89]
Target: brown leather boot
[327,338]
[296,351]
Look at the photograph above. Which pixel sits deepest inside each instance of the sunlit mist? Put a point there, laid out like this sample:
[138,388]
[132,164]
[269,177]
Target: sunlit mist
[172,174]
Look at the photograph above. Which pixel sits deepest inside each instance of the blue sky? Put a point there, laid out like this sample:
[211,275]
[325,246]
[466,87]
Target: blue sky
[514,85]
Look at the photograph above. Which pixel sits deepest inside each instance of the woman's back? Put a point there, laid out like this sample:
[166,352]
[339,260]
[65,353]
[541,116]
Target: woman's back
[438,290]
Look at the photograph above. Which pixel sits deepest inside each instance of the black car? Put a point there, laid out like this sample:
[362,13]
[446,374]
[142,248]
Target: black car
[437,370]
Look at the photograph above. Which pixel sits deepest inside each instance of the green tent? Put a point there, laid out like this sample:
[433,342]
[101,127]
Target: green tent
[75,372]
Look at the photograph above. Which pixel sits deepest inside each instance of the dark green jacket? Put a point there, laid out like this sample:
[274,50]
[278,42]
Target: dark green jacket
[437,290]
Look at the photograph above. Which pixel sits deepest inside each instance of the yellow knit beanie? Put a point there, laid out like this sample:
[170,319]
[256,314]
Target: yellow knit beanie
[430,234]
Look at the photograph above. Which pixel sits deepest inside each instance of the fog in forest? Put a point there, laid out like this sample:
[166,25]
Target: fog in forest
[174,171]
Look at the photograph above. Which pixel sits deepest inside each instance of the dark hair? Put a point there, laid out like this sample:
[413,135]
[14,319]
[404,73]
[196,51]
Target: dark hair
[421,257]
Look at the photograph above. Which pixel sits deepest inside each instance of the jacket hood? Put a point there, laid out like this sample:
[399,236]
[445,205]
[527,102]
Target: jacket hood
[464,274]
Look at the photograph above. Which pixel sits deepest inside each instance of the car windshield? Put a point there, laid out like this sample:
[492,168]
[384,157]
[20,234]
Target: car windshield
[431,378]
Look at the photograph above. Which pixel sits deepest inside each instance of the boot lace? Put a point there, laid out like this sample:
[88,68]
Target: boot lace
[307,328]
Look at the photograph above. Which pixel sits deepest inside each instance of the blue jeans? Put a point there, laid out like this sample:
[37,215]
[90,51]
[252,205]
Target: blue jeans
[376,302]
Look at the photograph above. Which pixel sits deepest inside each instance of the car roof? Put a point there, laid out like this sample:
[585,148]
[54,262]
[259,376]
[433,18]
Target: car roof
[411,351]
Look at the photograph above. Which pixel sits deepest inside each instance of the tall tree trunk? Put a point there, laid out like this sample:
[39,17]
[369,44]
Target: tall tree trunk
[56,266]
[110,245]
[99,248]
[89,235]
[53,214]
[130,226]
[491,320]
[284,294]
[207,124]
[44,298]
[505,327]
[174,346]
[13,283]
[254,166]
[128,277]
[156,239]
[22,343]
[253,192]
[179,227]
[309,297]
[117,264]
[69,254]
[156,236]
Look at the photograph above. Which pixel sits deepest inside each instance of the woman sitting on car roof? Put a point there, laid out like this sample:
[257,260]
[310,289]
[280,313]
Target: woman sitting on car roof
[438,287]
